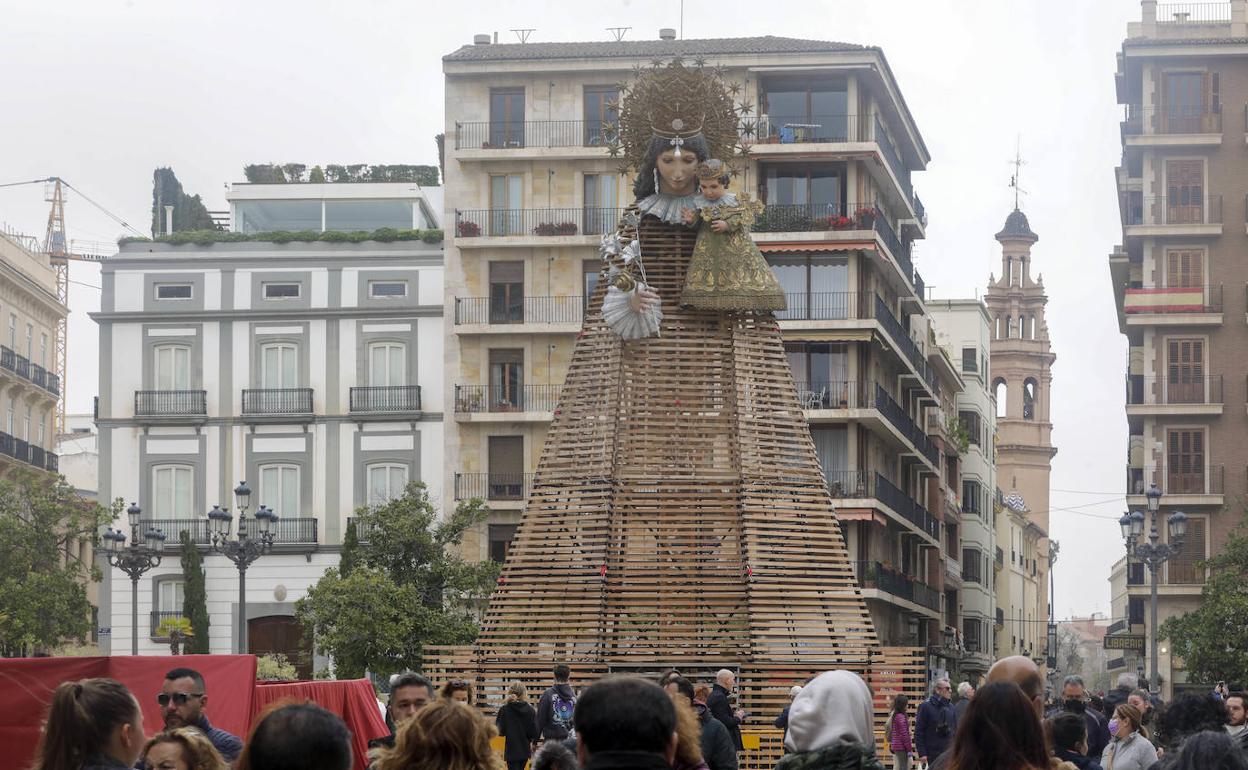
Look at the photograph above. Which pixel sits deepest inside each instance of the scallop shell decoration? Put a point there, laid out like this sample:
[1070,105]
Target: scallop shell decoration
[633,313]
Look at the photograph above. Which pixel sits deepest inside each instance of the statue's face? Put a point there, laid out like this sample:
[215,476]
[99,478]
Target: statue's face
[676,173]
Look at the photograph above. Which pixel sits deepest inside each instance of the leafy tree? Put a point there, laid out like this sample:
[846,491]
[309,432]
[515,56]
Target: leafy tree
[43,595]
[316,175]
[189,211]
[195,596]
[407,588]
[1212,639]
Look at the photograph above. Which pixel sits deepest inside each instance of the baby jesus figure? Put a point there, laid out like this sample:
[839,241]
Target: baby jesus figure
[727,271]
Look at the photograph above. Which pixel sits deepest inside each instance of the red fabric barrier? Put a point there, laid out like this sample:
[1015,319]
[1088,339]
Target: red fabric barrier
[353,700]
[26,686]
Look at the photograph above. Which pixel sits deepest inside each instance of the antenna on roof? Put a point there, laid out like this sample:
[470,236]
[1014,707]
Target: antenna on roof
[1018,165]
[618,32]
[523,34]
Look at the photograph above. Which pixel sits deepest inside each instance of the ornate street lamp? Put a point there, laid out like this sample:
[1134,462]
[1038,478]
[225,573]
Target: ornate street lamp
[1153,553]
[244,549]
[134,560]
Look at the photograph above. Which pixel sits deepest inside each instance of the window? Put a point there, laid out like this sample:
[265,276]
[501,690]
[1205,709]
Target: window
[173,367]
[802,109]
[279,366]
[1185,567]
[279,489]
[506,292]
[173,291]
[506,380]
[970,360]
[368,215]
[817,287]
[972,497]
[1190,100]
[281,291]
[971,421]
[819,191]
[172,492]
[506,201]
[387,364]
[971,565]
[832,448]
[501,536]
[12,332]
[11,414]
[1185,192]
[1185,371]
[170,595]
[41,426]
[43,349]
[1029,399]
[384,289]
[822,374]
[271,216]
[30,342]
[1185,462]
[1135,610]
[26,423]
[602,116]
[386,481]
[1001,393]
[600,203]
[506,117]
[1185,268]
[506,468]
[591,271]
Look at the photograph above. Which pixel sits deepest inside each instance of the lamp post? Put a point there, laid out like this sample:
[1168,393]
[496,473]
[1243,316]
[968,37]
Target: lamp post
[244,549]
[134,560]
[1154,554]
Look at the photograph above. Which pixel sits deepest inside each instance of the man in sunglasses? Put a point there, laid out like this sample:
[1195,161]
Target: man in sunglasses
[182,700]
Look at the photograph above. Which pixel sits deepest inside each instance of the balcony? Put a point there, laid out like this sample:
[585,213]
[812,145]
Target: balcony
[822,396]
[170,405]
[277,403]
[1135,574]
[54,384]
[506,139]
[21,450]
[906,346]
[362,531]
[827,306]
[521,315]
[1171,127]
[37,457]
[22,367]
[53,462]
[849,484]
[906,507]
[897,417]
[1192,214]
[1182,486]
[494,487]
[160,616]
[532,227]
[8,359]
[486,403]
[39,376]
[294,531]
[196,528]
[998,560]
[836,222]
[874,575]
[1173,306]
[385,399]
[8,446]
[1152,396]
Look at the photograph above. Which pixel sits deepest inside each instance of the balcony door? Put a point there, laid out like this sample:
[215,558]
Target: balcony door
[1185,461]
[506,201]
[506,380]
[821,371]
[387,364]
[814,192]
[832,448]
[1185,371]
[506,292]
[506,117]
[172,492]
[279,489]
[1185,268]
[173,367]
[1185,567]
[506,468]
[600,203]
[799,110]
[279,366]
[1185,192]
[602,115]
[1191,100]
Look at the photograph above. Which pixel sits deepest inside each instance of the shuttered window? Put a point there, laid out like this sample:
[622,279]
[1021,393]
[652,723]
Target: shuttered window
[1184,568]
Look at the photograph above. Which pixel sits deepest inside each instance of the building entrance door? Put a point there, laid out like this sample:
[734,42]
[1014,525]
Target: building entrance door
[281,633]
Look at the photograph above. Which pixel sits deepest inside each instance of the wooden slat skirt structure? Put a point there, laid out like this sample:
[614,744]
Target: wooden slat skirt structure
[679,516]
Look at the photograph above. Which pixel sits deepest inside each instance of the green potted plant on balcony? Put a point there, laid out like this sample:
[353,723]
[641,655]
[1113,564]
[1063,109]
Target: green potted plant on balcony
[865,216]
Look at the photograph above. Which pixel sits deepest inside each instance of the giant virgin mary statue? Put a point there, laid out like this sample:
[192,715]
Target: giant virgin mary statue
[679,516]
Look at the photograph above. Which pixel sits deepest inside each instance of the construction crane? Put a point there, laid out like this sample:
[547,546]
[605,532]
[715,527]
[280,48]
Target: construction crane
[61,251]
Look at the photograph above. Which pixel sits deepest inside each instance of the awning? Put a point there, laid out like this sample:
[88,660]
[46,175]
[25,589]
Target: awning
[806,247]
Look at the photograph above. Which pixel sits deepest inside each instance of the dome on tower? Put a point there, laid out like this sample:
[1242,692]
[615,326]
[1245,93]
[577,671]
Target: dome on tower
[1017,228]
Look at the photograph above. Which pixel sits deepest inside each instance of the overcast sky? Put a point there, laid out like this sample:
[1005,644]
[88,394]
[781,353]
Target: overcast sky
[100,92]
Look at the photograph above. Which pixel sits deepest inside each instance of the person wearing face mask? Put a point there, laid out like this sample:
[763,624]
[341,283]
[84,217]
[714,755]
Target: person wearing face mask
[1129,748]
[1075,701]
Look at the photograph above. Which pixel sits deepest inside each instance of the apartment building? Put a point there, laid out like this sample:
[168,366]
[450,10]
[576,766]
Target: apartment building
[1182,77]
[964,328]
[1126,613]
[530,187]
[29,388]
[312,370]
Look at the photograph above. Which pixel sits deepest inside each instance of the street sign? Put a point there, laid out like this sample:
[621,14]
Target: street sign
[1133,642]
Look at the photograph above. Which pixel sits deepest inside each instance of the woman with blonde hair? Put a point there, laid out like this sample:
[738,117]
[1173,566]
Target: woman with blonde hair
[688,736]
[444,735]
[184,748]
[517,723]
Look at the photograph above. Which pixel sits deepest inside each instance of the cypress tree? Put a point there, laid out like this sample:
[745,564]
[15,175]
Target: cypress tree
[195,596]
[350,551]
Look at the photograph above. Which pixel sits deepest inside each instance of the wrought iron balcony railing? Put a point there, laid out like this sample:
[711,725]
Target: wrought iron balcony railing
[1191,207]
[473,399]
[1179,479]
[1172,120]
[853,484]
[294,531]
[519,310]
[7,445]
[506,135]
[53,462]
[170,403]
[1168,391]
[39,376]
[493,486]
[500,223]
[160,616]
[905,345]
[277,401]
[828,306]
[873,574]
[37,456]
[906,506]
[8,359]
[898,418]
[385,398]
[173,528]
[830,395]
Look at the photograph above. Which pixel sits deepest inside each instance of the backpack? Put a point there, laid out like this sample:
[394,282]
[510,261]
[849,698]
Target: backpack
[561,709]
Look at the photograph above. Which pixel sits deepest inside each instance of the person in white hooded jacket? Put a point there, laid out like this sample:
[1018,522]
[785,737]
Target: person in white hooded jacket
[831,726]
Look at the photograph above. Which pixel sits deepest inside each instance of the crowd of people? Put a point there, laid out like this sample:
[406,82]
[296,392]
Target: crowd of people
[632,723]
